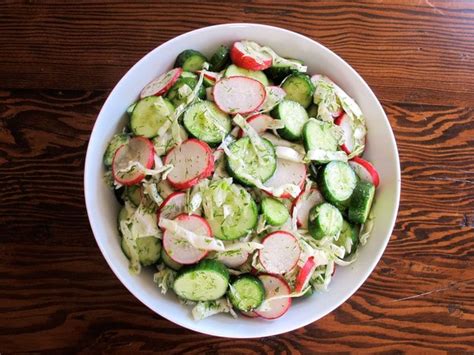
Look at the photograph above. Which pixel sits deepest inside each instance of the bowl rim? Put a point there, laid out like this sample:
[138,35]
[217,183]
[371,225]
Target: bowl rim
[195,326]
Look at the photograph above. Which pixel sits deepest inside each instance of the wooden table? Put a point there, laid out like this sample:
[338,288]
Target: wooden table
[59,61]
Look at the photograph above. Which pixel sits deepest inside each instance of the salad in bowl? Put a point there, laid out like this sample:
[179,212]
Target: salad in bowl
[242,180]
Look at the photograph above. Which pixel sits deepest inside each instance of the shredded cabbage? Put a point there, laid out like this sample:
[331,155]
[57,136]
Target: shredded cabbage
[290,154]
[366,229]
[164,278]
[208,308]
[272,99]
[265,306]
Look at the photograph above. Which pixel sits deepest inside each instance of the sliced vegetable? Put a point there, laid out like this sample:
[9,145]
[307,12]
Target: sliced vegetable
[275,212]
[184,86]
[337,181]
[280,252]
[234,70]
[274,286]
[287,173]
[172,206]
[233,258]
[361,202]
[162,84]
[239,94]
[134,194]
[294,117]
[220,58]
[324,220]
[130,159]
[149,250]
[259,122]
[299,88]
[275,95]
[205,121]
[348,238]
[190,60]
[365,170]
[303,204]
[205,281]
[149,115]
[192,161]
[280,70]
[305,273]
[246,55]
[349,144]
[320,135]
[169,262]
[179,249]
[246,160]
[115,143]
[246,293]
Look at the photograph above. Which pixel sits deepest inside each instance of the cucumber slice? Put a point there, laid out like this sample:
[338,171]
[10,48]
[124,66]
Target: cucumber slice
[205,121]
[279,71]
[337,182]
[149,250]
[134,194]
[294,116]
[274,211]
[183,88]
[299,88]
[361,202]
[245,160]
[206,281]
[115,143]
[244,215]
[190,60]
[220,58]
[130,109]
[312,110]
[168,261]
[324,220]
[234,70]
[246,293]
[318,135]
[149,115]
[348,238]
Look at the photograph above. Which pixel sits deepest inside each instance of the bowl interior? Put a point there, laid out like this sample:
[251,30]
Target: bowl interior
[102,207]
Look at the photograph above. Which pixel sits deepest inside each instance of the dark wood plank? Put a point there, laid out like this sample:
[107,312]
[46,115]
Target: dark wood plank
[58,295]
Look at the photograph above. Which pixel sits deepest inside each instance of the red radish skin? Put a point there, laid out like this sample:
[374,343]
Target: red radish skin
[172,206]
[365,170]
[138,149]
[239,94]
[259,123]
[162,84]
[275,286]
[240,57]
[213,76]
[280,252]
[304,274]
[192,160]
[183,252]
[287,172]
[305,201]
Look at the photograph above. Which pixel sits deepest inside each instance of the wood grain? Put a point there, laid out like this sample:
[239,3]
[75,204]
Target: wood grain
[57,63]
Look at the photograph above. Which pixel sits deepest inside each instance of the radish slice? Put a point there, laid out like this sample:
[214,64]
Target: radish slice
[274,286]
[305,273]
[239,94]
[344,122]
[192,161]
[172,206]
[249,314]
[280,252]
[161,84]
[234,260]
[179,249]
[139,150]
[212,76]
[242,56]
[303,203]
[287,172]
[365,170]
[259,123]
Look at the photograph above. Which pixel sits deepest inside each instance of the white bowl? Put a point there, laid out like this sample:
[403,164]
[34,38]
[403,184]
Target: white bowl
[381,150]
